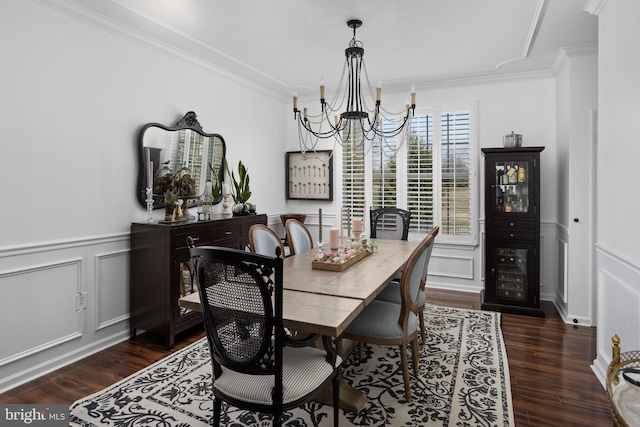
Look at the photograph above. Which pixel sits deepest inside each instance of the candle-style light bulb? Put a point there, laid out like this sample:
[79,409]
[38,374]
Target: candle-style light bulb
[378,90]
[413,94]
[305,112]
[322,89]
[335,119]
[295,100]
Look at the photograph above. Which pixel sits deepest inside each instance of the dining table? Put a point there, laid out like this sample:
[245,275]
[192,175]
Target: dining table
[325,302]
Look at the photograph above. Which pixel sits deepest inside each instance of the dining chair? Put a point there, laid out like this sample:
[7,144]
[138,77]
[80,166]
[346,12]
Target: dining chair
[256,365]
[389,223]
[386,323]
[298,236]
[264,241]
[391,292]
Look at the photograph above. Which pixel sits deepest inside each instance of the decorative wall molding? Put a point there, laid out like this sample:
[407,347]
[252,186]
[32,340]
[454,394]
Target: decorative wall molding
[30,275]
[564,54]
[107,295]
[57,245]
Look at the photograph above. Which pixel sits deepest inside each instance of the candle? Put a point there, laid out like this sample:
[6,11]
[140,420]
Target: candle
[378,90]
[150,176]
[295,101]
[413,95]
[322,89]
[333,238]
[225,188]
[357,225]
[208,188]
[320,225]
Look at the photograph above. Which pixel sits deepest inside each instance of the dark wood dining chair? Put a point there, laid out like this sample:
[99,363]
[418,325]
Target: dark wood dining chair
[390,223]
[387,323]
[298,236]
[256,365]
[264,241]
[391,292]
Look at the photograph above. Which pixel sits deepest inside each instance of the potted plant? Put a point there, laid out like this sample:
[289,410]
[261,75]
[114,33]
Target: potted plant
[241,190]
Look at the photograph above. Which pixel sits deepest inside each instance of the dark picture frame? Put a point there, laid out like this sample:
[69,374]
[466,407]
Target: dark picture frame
[309,175]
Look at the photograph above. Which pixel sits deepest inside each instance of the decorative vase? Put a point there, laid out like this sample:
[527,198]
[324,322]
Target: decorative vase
[170,212]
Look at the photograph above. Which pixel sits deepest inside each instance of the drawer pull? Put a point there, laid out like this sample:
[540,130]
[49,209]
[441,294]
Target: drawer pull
[510,234]
[511,224]
[228,233]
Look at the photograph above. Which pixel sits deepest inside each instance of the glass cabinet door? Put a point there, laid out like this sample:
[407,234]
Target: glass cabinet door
[511,183]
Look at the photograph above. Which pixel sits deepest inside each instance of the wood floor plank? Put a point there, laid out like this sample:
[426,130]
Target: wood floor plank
[549,362]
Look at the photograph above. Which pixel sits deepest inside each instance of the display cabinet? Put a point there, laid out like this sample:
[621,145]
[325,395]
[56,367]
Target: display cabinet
[161,270]
[512,224]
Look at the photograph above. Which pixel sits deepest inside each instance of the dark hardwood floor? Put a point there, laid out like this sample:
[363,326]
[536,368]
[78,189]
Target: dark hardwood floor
[551,380]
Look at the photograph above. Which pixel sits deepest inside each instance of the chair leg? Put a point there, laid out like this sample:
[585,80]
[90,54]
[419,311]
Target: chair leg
[422,328]
[415,350]
[217,412]
[336,399]
[405,372]
[277,420]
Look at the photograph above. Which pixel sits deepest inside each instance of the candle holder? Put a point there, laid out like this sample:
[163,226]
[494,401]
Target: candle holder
[226,206]
[149,201]
[357,241]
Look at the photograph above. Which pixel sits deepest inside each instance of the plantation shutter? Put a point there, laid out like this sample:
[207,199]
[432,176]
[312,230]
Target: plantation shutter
[420,173]
[353,178]
[384,169]
[456,173]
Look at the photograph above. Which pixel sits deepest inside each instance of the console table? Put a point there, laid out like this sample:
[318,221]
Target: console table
[161,270]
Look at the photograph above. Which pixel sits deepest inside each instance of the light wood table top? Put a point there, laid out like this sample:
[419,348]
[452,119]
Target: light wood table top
[363,280]
[302,311]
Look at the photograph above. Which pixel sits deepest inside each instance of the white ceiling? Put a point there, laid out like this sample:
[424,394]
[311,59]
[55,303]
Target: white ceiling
[289,45]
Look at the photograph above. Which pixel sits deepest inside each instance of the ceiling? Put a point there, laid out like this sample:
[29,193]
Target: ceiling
[287,45]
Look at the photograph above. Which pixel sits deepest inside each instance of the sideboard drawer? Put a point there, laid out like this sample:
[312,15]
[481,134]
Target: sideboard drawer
[226,232]
[200,237]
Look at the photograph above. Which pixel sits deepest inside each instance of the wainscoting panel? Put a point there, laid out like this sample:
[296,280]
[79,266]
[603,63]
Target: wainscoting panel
[112,288]
[618,305]
[451,266]
[61,301]
[38,308]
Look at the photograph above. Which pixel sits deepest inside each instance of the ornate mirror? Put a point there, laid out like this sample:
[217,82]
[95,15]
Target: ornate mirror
[179,159]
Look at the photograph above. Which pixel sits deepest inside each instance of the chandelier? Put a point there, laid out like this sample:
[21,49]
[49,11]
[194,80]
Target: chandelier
[352,115]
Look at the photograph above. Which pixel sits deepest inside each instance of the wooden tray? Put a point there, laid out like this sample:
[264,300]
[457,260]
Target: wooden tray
[339,267]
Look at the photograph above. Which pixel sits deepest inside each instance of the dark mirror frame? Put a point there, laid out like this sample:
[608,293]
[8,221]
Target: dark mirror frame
[189,121]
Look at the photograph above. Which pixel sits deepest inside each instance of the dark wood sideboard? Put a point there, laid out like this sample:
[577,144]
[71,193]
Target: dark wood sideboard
[160,270]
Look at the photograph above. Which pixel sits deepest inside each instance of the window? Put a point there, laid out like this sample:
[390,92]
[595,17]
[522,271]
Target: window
[432,173]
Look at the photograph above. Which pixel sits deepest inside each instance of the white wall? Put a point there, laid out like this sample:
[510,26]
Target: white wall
[618,235]
[74,96]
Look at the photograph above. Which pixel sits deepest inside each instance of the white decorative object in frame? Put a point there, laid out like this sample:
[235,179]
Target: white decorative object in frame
[309,175]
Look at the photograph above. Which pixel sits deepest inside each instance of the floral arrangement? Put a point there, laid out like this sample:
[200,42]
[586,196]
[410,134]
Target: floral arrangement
[348,251]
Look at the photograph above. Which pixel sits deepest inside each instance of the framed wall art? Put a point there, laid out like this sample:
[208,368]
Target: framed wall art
[309,175]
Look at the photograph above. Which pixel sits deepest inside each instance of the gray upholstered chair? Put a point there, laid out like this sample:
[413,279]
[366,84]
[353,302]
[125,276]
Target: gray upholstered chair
[390,223]
[264,241]
[298,236]
[387,323]
[391,292]
[256,365]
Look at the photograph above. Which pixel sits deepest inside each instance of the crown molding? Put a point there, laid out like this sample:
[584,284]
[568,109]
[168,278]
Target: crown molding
[567,53]
[247,77]
[594,7]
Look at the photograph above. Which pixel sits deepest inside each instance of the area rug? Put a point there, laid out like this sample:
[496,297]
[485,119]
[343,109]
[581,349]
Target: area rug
[463,381]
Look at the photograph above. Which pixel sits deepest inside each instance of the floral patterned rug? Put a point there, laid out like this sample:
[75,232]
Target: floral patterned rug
[463,381]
